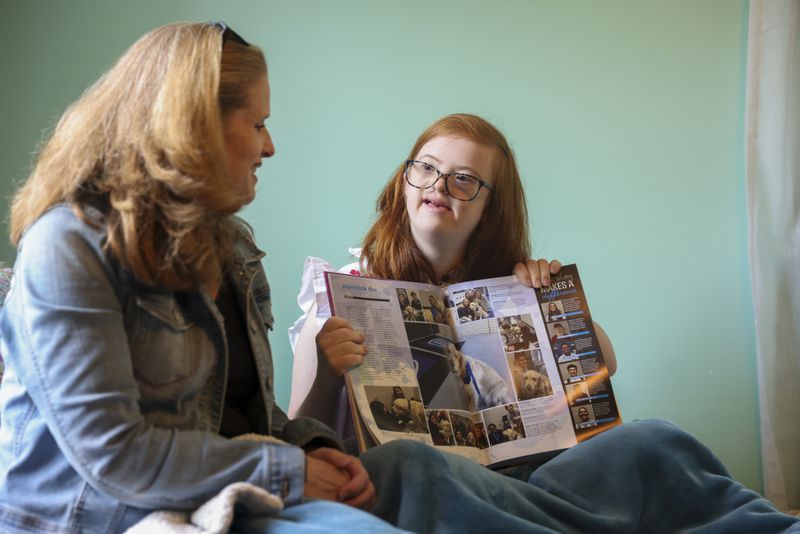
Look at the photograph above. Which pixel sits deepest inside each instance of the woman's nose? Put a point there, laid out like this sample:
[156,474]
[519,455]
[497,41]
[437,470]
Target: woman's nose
[268,147]
[441,183]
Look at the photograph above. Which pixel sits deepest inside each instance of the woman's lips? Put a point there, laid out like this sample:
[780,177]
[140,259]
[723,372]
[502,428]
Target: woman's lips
[435,205]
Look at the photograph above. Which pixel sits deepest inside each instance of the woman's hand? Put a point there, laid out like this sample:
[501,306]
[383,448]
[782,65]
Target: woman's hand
[323,479]
[536,273]
[339,346]
[335,476]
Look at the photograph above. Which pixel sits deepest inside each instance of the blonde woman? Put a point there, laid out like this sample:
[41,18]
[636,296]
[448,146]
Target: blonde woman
[135,335]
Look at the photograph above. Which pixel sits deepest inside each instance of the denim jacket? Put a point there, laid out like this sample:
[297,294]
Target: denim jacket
[113,393]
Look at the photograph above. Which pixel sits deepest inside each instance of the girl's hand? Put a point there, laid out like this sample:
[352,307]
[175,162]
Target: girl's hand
[339,347]
[536,273]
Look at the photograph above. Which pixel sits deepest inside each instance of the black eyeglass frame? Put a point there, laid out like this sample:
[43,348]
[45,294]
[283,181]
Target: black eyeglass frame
[228,34]
[446,175]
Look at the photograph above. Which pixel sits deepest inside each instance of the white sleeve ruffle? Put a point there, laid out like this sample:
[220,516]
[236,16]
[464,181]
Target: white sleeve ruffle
[313,301]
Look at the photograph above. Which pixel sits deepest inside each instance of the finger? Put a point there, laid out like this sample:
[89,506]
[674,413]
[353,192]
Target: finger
[340,460]
[335,459]
[347,348]
[357,490]
[544,271]
[325,453]
[359,478]
[533,269]
[342,335]
[335,323]
[354,468]
[521,272]
[354,487]
[323,479]
[364,500]
[555,266]
[343,363]
[341,342]
[339,354]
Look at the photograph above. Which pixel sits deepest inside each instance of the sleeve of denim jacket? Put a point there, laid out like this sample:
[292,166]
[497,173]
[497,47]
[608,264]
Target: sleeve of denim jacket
[68,335]
[302,431]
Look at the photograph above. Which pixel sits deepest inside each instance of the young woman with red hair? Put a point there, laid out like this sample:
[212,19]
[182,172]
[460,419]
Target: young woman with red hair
[453,210]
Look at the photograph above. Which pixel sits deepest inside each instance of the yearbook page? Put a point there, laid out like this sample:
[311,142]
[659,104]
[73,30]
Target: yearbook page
[471,367]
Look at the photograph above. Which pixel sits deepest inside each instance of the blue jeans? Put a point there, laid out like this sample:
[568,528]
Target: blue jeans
[315,517]
[645,476]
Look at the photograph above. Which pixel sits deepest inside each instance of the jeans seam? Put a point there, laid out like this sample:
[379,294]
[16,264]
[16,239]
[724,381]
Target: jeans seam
[21,427]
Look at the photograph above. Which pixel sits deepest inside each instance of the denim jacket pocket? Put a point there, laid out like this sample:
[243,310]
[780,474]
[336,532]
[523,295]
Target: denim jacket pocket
[159,340]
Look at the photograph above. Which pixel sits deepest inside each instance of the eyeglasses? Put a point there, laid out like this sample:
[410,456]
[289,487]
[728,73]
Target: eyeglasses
[458,185]
[228,34]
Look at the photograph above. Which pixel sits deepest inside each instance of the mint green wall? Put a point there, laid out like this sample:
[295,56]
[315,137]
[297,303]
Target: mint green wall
[626,116]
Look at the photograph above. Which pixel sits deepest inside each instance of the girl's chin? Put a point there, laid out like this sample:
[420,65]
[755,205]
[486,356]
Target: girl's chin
[428,215]
[438,232]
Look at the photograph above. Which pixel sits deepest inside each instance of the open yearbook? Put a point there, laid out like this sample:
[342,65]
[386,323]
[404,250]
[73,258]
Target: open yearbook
[488,369]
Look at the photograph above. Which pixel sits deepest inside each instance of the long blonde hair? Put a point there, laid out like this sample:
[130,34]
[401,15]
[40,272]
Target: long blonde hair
[499,241]
[146,140]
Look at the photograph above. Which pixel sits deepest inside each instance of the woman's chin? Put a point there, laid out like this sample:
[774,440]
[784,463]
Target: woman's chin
[244,200]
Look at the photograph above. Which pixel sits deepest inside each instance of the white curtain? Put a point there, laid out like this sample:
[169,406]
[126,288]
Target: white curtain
[772,150]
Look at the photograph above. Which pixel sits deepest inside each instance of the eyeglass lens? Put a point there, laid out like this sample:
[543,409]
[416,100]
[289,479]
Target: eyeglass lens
[459,186]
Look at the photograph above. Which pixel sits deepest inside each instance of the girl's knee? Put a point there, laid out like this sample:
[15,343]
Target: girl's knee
[648,431]
[400,454]
[660,441]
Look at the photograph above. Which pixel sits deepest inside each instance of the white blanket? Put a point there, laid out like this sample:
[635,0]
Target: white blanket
[216,515]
